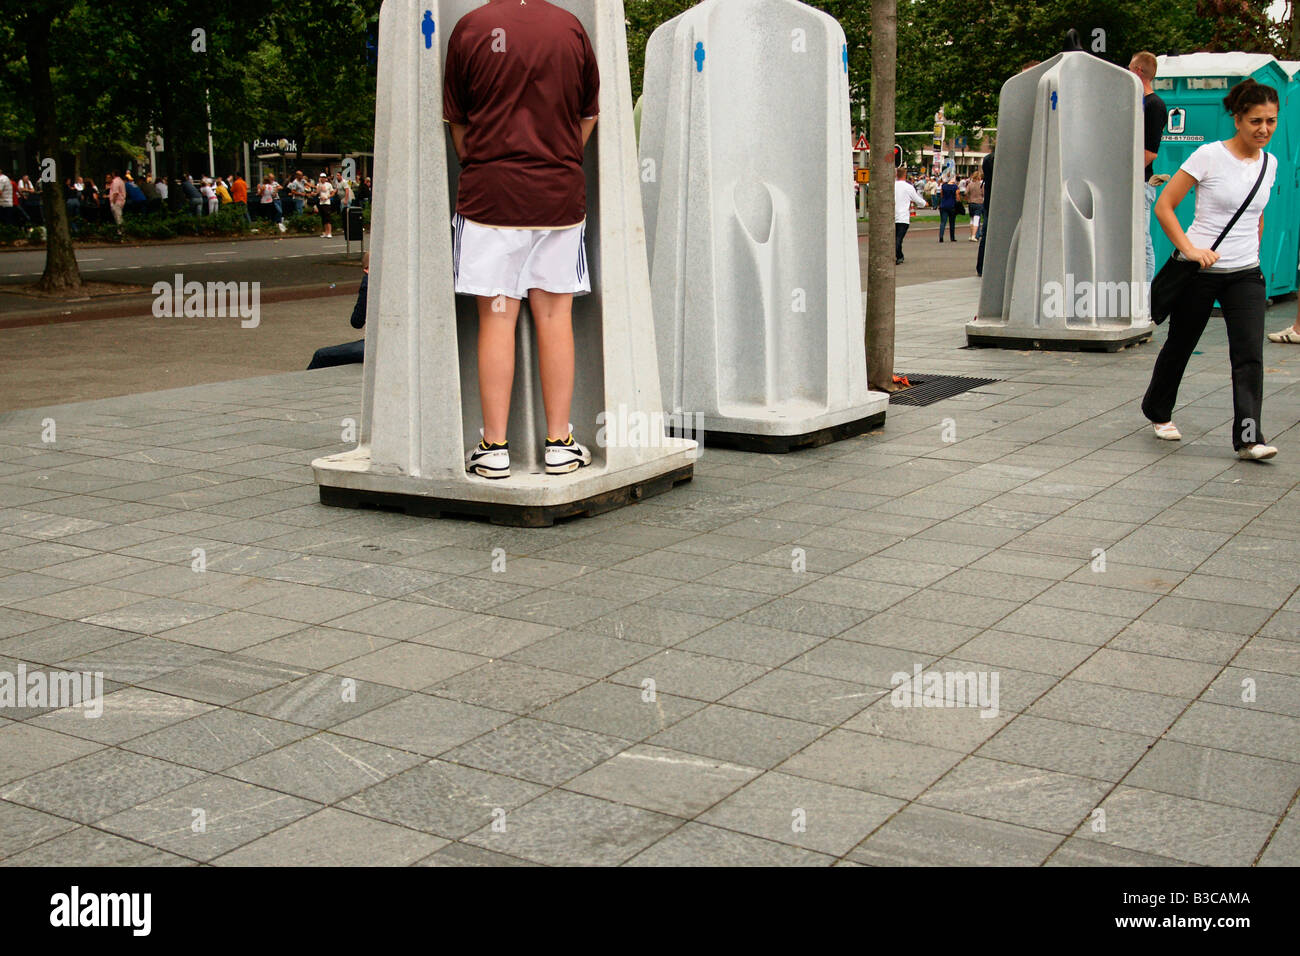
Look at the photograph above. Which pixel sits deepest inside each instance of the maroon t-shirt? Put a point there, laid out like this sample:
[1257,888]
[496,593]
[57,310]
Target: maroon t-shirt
[521,77]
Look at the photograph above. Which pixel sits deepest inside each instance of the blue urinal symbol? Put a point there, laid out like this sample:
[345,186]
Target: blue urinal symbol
[426,27]
[699,57]
[844,55]
[1053,99]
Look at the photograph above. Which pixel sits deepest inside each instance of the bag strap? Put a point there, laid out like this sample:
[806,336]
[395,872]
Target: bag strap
[1233,221]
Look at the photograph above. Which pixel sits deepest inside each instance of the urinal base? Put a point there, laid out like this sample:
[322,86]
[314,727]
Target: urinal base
[513,515]
[1091,341]
[783,444]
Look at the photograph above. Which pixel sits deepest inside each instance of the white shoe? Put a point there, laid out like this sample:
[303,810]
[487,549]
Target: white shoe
[1256,452]
[281,225]
[1288,336]
[1168,432]
[565,456]
[489,461]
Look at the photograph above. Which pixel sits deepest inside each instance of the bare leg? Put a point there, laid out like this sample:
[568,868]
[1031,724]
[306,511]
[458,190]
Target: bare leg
[553,318]
[496,362]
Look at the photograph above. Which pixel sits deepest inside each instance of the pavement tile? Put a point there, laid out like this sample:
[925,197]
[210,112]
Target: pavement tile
[894,768]
[786,692]
[538,751]
[697,844]
[324,767]
[22,827]
[122,780]
[632,713]
[86,846]
[422,724]
[571,829]
[586,655]
[217,739]
[1069,748]
[1163,675]
[1255,690]
[738,736]
[1028,797]
[1243,731]
[1217,776]
[26,749]
[668,781]
[127,713]
[319,700]
[333,837]
[224,680]
[462,854]
[929,836]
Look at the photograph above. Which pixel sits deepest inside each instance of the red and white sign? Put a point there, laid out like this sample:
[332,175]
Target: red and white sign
[862,142]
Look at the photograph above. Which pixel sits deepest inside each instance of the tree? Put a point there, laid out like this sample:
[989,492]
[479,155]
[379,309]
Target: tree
[880,198]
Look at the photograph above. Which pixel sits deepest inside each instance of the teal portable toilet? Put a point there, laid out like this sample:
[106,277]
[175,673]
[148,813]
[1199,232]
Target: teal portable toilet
[1193,88]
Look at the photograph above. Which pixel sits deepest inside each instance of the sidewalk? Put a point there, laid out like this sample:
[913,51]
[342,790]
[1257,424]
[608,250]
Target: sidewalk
[659,685]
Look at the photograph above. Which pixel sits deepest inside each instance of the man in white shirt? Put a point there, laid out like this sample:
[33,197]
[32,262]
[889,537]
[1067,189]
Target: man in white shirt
[905,196]
[6,200]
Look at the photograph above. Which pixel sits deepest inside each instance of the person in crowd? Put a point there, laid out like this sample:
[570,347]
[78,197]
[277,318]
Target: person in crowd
[349,352]
[948,207]
[364,192]
[136,202]
[209,195]
[161,186]
[298,190]
[7,193]
[342,193]
[239,195]
[325,205]
[986,174]
[192,195]
[91,209]
[72,201]
[521,206]
[269,192]
[975,202]
[905,197]
[222,191]
[1224,173]
[116,196]
[1154,114]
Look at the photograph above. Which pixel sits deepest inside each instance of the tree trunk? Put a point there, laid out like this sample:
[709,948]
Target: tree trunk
[1293,44]
[61,272]
[880,197]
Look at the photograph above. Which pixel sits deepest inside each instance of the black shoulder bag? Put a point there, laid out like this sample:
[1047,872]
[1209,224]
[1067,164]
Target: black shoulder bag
[1172,279]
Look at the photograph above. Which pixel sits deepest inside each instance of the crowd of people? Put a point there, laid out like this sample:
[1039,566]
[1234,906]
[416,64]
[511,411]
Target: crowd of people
[122,194]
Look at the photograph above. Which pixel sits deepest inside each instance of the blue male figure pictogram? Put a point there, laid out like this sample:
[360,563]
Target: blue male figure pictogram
[699,57]
[844,55]
[426,27]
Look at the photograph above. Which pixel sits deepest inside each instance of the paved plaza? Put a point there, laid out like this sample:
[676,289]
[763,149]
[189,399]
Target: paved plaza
[702,678]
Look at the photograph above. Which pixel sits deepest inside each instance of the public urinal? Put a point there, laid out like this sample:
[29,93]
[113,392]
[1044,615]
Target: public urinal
[1064,260]
[747,188]
[420,391]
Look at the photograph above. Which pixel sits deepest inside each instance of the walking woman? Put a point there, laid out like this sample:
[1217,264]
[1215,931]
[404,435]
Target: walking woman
[1224,173]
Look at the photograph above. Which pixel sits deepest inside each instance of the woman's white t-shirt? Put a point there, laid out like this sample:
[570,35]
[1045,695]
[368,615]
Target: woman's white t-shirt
[1222,184]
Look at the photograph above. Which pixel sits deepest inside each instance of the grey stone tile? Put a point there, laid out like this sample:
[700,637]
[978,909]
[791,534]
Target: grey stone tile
[151,617]
[208,818]
[738,736]
[667,781]
[1255,690]
[1234,728]
[1028,797]
[21,828]
[922,638]
[961,729]
[25,750]
[508,686]
[587,655]
[1063,624]
[538,751]
[971,610]
[231,631]
[696,844]
[1210,615]
[470,594]
[788,693]
[316,648]
[461,854]
[1217,776]
[916,574]
[137,661]
[410,666]
[129,712]
[397,620]
[1163,675]
[1284,848]
[486,636]
[1185,643]
[75,602]
[685,674]
[85,846]
[1210,834]
[319,700]
[750,643]
[224,680]
[1271,656]
[980,583]
[443,798]
[1078,851]
[1114,708]
[122,780]
[217,739]
[632,713]
[807,813]
[1027,652]
[709,600]
[865,664]
[423,724]
[63,641]
[1070,748]
[312,605]
[881,765]
[325,767]
[570,829]
[648,625]
[929,836]
[1174,548]
[334,837]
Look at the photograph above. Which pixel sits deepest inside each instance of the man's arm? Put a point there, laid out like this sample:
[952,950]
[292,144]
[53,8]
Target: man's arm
[587,124]
[1149,157]
[458,139]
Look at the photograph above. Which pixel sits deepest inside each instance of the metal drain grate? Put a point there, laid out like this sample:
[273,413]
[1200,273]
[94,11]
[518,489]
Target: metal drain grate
[928,389]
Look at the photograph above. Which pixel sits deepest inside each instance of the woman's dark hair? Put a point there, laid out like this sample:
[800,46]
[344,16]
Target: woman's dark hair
[1247,94]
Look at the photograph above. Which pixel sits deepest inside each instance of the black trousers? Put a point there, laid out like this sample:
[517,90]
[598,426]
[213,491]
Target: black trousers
[900,230]
[345,354]
[1241,294]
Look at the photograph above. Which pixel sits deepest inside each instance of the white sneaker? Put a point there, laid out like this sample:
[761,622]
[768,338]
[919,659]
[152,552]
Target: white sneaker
[1256,452]
[489,461]
[565,456]
[281,225]
[1168,432]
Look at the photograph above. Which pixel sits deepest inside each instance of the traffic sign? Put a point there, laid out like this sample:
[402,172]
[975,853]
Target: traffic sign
[862,174]
[862,142]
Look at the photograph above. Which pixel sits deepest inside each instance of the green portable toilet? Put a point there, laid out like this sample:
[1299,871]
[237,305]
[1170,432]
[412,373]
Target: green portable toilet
[1193,88]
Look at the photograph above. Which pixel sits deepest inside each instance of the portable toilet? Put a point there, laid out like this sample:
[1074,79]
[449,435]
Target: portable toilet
[420,393]
[1193,87]
[1064,263]
[747,192]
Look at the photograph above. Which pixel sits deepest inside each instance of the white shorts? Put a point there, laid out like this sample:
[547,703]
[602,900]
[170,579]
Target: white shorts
[492,261]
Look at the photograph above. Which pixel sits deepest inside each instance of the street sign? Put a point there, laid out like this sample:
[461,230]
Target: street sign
[862,174]
[862,142]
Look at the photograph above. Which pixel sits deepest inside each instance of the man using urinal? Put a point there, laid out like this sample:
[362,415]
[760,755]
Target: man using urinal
[520,95]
